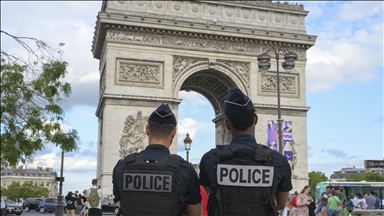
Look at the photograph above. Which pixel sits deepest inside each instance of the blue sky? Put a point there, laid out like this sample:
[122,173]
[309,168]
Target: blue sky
[344,82]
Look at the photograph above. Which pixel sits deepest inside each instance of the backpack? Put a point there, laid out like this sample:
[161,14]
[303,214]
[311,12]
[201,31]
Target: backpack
[94,198]
[294,201]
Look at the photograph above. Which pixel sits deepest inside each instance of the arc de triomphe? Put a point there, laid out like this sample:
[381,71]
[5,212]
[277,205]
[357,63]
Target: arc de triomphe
[151,50]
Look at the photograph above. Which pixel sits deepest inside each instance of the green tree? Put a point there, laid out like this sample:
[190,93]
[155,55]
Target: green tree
[368,177]
[32,89]
[314,178]
[28,189]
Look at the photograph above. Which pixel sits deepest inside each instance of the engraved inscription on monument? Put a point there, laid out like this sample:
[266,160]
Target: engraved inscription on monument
[130,72]
[289,84]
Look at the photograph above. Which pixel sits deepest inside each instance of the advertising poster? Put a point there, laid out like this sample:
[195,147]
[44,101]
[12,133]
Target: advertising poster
[287,140]
[273,137]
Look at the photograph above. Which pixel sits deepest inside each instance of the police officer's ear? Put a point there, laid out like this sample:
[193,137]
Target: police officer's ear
[227,124]
[173,134]
[147,130]
[256,118]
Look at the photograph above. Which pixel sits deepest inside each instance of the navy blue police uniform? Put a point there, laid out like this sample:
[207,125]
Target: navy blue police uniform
[155,182]
[246,171]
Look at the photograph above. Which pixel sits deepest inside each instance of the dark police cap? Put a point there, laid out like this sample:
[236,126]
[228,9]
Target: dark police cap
[237,102]
[163,114]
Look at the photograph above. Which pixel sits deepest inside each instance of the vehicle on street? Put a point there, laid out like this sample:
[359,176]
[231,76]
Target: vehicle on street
[49,205]
[108,206]
[31,204]
[13,208]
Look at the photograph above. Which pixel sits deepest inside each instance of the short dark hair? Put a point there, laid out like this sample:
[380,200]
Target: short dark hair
[241,120]
[337,188]
[94,181]
[160,130]
[328,187]
[358,194]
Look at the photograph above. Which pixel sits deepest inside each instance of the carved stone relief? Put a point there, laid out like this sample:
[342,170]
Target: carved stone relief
[134,138]
[241,68]
[136,71]
[195,43]
[289,83]
[180,63]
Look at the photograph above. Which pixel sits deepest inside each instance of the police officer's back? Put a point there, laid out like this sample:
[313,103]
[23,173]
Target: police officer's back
[154,182]
[244,178]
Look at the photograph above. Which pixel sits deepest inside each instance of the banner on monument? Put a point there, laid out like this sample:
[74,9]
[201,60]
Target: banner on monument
[273,140]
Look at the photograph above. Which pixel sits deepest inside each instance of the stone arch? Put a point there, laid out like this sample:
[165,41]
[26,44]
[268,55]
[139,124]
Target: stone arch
[204,71]
[213,82]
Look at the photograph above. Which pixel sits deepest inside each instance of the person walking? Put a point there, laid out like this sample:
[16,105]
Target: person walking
[95,196]
[244,177]
[155,182]
[3,205]
[303,200]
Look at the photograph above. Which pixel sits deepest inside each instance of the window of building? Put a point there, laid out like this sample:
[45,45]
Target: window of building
[42,183]
[36,183]
[13,182]
[47,184]
[18,174]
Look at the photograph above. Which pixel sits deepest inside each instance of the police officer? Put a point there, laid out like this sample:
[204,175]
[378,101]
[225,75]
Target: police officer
[154,182]
[244,178]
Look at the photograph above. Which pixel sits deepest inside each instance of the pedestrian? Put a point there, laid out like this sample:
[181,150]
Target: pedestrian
[95,196]
[323,201]
[244,177]
[155,182]
[303,200]
[3,205]
[333,204]
[85,204]
[294,203]
[378,201]
[371,200]
[342,197]
[70,200]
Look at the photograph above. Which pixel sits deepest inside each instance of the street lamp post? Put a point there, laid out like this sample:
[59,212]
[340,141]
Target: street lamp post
[60,205]
[288,65]
[187,143]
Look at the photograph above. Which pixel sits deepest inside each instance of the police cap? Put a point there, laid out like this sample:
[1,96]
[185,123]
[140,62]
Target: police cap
[163,115]
[237,102]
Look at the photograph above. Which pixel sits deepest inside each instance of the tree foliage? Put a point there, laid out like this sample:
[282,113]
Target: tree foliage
[28,189]
[32,89]
[314,178]
[368,177]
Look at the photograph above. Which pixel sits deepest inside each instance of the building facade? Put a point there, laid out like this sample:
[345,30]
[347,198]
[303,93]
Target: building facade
[344,173]
[39,176]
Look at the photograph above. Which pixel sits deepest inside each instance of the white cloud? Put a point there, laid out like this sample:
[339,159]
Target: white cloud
[357,10]
[346,51]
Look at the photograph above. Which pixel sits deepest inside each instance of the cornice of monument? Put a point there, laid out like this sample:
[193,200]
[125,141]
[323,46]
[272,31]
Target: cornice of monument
[267,4]
[130,100]
[204,31]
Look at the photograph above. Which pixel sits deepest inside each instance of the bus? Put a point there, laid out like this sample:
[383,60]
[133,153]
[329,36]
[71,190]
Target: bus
[352,188]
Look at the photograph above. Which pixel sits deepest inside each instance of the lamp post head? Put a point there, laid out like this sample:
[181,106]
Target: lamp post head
[290,57]
[264,62]
[287,67]
[187,142]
